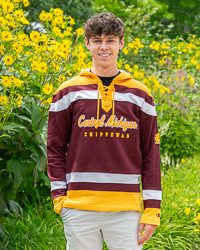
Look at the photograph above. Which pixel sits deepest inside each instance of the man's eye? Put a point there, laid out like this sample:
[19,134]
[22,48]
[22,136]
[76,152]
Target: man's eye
[110,41]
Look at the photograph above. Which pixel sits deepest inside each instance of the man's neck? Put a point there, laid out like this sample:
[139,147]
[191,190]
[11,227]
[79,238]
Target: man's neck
[106,72]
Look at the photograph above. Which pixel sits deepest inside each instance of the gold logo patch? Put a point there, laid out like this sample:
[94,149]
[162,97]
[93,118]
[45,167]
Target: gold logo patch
[157,139]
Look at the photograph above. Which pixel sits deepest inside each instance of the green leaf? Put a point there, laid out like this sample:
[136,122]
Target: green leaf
[41,161]
[19,169]
[22,117]
[3,205]
[45,178]
[2,235]
[12,126]
[15,207]
[28,183]
[36,117]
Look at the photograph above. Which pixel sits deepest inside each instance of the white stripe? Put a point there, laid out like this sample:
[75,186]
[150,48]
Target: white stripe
[55,185]
[92,94]
[145,107]
[103,178]
[71,97]
[151,195]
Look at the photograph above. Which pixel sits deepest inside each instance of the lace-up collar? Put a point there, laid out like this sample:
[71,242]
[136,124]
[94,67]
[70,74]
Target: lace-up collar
[107,99]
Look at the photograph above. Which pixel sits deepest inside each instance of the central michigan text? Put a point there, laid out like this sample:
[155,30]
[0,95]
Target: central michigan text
[112,122]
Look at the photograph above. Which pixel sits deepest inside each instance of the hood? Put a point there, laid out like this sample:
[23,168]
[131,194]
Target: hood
[106,94]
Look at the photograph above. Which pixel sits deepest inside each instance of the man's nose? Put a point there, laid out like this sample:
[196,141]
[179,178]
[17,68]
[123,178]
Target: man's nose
[104,45]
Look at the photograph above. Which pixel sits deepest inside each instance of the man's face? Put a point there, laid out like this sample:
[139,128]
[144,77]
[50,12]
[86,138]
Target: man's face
[104,50]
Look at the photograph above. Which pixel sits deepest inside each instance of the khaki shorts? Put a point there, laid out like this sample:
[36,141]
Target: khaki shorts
[86,230]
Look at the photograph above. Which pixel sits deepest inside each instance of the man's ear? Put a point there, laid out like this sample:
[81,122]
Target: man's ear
[87,43]
[121,43]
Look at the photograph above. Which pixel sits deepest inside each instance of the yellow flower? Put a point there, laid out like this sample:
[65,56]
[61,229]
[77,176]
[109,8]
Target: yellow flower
[47,88]
[69,73]
[43,38]
[26,3]
[19,14]
[7,6]
[135,52]
[196,229]
[198,202]
[35,36]
[2,49]
[25,21]
[43,16]
[7,81]
[3,21]
[6,36]
[182,160]
[130,45]
[80,31]
[191,80]
[185,199]
[3,99]
[162,91]
[34,65]
[144,80]
[19,101]
[49,100]
[127,66]
[125,51]
[42,67]
[196,220]
[58,12]
[90,65]
[8,60]
[174,204]
[17,47]
[18,82]
[61,78]
[49,16]
[187,210]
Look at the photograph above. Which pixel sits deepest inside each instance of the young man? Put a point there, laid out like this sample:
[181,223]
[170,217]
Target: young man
[106,123]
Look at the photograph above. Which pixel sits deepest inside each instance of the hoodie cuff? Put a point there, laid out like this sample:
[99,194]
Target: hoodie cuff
[58,203]
[151,216]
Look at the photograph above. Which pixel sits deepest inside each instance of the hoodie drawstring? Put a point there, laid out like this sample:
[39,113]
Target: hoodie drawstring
[107,100]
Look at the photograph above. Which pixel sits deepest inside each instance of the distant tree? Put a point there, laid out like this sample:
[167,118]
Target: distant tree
[185,15]
[80,10]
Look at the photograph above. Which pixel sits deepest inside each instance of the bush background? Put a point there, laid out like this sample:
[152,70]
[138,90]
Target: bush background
[42,46]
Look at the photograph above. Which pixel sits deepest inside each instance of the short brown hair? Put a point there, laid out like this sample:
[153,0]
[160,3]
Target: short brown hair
[106,23]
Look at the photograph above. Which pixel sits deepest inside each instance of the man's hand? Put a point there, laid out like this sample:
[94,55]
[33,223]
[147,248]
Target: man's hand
[149,230]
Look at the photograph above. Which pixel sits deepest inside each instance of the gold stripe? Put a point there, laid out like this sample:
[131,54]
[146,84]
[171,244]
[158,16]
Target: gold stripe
[122,80]
[151,216]
[103,200]
[87,78]
[78,80]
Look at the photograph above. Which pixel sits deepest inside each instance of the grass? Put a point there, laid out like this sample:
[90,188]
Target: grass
[40,228]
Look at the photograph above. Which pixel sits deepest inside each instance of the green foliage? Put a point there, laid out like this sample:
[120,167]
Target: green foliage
[77,9]
[31,69]
[180,214]
[41,228]
[170,69]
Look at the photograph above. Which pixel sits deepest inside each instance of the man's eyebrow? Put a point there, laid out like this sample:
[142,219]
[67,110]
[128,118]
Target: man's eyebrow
[98,37]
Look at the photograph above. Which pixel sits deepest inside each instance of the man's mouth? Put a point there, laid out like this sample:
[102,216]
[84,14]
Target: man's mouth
[103,54]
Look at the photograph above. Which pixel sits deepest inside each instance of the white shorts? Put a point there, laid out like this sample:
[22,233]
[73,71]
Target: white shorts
[86,230]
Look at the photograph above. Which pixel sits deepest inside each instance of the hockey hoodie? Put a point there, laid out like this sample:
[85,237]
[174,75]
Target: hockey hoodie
[101,142]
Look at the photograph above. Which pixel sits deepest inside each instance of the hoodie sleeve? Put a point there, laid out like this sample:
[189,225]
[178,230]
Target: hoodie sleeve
[58,136]
[151,174]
